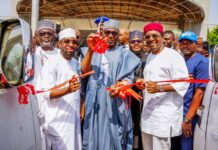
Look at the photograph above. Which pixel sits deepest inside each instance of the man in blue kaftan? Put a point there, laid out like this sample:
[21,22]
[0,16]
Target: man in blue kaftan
[108,121]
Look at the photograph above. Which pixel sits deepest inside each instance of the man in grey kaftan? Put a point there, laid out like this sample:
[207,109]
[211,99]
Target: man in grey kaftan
[108,121]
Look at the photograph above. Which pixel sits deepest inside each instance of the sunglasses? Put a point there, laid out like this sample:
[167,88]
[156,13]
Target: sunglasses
[135,41]
[107,33]
[45,33]
[66,41]
[154,36]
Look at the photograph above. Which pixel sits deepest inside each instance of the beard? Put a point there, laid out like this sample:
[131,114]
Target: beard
[46,45]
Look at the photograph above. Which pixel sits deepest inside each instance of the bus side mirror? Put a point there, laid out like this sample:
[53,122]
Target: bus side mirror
[16,55]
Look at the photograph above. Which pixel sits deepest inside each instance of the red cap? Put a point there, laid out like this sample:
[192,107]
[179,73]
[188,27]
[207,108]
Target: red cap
[153,26]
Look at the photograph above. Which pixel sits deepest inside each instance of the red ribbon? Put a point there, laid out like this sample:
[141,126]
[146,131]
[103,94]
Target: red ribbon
[3,80]
[123,91]
[126,91]
[216,90]
[187,80]
[24,92]
[101,46]
[27,89]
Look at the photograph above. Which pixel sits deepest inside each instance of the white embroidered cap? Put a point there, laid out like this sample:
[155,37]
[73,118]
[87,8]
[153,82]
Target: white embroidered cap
[67,33]
[45,24]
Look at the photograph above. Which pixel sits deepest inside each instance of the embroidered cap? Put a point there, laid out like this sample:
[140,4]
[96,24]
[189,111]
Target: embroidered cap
[135,34]
[111,23]
[67,33]
[45,24]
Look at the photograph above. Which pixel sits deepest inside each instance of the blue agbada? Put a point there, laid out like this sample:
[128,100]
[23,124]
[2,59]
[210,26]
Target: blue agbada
[108,121]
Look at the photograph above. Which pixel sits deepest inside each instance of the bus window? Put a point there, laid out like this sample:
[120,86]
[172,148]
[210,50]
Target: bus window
[12,53]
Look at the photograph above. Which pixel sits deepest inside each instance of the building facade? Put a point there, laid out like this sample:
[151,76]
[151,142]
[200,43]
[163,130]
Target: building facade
[174,14]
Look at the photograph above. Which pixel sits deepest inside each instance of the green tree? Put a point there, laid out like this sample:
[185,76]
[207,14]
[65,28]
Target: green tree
[213,36]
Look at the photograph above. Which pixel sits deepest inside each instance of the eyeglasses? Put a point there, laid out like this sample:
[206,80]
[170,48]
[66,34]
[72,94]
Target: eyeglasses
[107,33]
[66,41]
[154,36]
[135,41]
[44,33]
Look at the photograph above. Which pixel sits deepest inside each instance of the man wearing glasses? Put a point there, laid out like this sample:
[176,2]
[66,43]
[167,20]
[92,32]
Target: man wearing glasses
[62,105]
[161,116]
[44,38]
[136,46]
[108,121]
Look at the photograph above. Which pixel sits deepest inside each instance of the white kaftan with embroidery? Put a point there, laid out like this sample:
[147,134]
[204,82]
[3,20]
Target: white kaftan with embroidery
[162,111]
[62,115]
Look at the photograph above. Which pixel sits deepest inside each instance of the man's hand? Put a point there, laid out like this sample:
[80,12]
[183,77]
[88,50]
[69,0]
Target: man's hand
[34,43]
[114,92]
[74,84]
[152,87]
[115,88]
[92,41]
[205,53]
[140,84]
[59,92]
[187,129]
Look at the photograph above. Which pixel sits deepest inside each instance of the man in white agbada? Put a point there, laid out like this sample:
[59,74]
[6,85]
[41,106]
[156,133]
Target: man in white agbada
[45,37]
[161,116]
[44,40]
[62,113]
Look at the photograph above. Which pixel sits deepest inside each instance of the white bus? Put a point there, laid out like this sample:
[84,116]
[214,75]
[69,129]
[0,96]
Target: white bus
[19,124]
[206,131]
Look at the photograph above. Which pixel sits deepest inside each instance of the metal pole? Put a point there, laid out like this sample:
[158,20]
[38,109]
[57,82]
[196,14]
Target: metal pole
[34,15]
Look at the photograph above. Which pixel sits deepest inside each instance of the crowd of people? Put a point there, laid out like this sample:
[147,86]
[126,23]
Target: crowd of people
[92,114]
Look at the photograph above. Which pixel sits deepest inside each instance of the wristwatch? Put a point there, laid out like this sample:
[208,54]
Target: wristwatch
[161,89]
[186,120]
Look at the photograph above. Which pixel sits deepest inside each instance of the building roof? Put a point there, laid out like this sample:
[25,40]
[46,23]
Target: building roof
[137,10]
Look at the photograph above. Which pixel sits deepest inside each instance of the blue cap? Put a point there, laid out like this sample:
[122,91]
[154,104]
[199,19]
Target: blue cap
[97,20]
[188,35]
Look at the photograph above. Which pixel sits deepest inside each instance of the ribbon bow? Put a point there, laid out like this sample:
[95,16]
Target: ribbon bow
[126,91]
[101,46]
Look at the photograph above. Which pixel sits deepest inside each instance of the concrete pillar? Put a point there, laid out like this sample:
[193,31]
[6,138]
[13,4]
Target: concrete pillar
[204,25]
[201,28]
[35,14]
